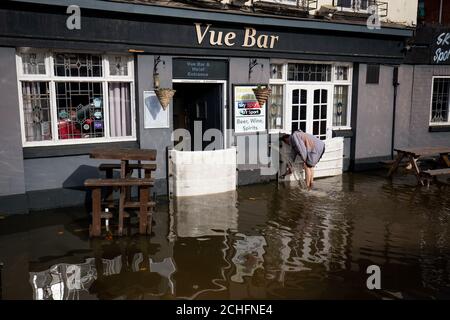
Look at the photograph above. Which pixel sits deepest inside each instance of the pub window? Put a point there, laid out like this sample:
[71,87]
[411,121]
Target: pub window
[373,74]
[340,106]
[355,4]
[341,73]
[68,98]
[440,102]
[276,107]
[309,72]
[276,71]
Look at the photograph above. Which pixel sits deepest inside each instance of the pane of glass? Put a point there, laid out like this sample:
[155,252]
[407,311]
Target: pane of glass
[344,3]
[276,71]
[340,106]
[80,110]
[323,127]
[295,113]
[295,96]
[324,96]
[78,65]
[119,109]
[303,97]
[33,63]
[118,65]
[341,73]
[294,126]
[303,112]
[317,96]
[309,72]
[440,102]
[303,126]
[36,111]
[323,111]
[316,128]
[316,111]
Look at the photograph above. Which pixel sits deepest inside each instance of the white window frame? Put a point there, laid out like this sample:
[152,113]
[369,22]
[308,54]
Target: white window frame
[333,82]
[52,79]
[347,83]
[438,124]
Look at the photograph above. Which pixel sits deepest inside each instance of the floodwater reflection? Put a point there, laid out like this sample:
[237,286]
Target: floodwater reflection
[265,241]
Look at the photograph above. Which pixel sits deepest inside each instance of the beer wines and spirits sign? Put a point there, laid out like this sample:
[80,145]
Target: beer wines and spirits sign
[249,116]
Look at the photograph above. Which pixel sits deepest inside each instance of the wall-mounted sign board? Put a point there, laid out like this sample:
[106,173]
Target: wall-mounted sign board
[249,116]
[440,48]
[154,114]
[202,69]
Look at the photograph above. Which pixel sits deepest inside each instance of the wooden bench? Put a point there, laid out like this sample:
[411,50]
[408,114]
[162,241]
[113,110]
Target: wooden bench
[433,174]
[144,204]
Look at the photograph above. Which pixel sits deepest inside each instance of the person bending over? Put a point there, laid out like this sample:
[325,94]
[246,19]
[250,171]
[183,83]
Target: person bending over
[309,148]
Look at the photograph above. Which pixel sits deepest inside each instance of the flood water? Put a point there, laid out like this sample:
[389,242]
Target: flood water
[263,242]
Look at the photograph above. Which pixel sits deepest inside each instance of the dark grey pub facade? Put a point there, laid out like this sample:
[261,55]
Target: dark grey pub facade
[65,91]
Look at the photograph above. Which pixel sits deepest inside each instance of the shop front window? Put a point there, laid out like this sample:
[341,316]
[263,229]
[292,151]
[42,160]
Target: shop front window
[79,107]
[309,72]
[440,103]
[340,106]
[276,71]
[76,101]
[36,111]
[276,108]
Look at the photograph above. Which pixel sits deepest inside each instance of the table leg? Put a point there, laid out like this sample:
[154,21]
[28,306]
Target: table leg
[109,197]
[143,218]
[396,163]
[123,191]
[416,169]
[96,212]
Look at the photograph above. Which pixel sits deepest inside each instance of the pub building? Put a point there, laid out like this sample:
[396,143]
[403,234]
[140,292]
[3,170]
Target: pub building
[75,78]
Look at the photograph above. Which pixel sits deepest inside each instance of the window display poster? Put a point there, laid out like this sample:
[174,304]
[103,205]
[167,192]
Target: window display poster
[154,114]
[249,116]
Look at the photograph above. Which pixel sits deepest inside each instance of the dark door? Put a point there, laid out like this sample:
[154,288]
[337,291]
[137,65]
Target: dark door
[198,105]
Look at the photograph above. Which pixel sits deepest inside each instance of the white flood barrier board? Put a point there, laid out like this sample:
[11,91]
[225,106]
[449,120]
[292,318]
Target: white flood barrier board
[331,164]
[195,173]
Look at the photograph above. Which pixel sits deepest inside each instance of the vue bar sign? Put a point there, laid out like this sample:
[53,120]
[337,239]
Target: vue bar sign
[248,38]
[441,49]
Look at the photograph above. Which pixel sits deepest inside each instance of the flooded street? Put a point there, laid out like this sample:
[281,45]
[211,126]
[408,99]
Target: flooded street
[263,242]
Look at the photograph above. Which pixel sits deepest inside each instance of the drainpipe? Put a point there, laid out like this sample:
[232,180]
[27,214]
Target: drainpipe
[440,12]
[395,84]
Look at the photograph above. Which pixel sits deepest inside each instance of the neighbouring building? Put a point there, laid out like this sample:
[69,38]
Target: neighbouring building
[65,90]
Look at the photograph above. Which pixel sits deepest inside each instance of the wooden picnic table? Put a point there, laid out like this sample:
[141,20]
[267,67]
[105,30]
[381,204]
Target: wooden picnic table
[125,156]
[414,154]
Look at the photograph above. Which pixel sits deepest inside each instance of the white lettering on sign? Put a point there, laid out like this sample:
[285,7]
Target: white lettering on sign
[251,37]
[442,54]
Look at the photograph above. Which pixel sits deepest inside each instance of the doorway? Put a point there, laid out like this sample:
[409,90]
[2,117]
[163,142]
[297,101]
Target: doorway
[198,104]
[310,109]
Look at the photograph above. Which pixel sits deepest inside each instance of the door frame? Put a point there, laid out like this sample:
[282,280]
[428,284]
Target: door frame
[310,87]
[223,117]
